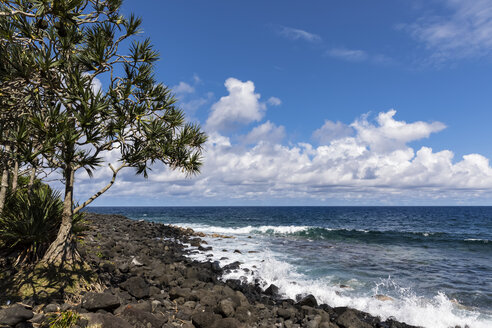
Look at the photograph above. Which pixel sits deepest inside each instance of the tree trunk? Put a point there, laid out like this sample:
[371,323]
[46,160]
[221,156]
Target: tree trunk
[4,183]
[3,188]
[32,177]
[62,250]
[15,176]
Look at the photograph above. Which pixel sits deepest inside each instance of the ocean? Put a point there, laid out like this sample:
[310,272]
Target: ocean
[426,266]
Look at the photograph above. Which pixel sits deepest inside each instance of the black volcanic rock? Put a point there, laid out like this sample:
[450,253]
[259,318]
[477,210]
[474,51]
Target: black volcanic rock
[308,300]
[272,290]
[15,314]
[136,286]
[96,301]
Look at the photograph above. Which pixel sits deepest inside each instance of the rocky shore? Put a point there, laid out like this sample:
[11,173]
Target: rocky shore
[146,280]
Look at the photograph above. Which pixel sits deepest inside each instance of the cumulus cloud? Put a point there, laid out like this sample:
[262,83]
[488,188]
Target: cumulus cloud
[390,134]
[274,101]
[373,164]
[266,132]
[465,32]
[331,131]
[242,105]
[298,34]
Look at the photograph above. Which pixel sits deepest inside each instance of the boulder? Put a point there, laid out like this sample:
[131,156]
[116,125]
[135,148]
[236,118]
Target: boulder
[348,319]
[232,266]
[284,313]
[164,279]
[243,314]
[243,300]
[38,318]
[95,301]
[204,319]
[108,267]
[141,318]
[142,306]
[272,290]
[53,307]
[226,307]
[215,266]
[315,322]
[137,287]
[15,314]
[227,323]
[328,325]
[308,300]
[195,242]
[124,267]
[208,299]
[177,292]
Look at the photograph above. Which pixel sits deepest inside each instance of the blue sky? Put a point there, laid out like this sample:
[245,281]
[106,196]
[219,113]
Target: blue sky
[324,102]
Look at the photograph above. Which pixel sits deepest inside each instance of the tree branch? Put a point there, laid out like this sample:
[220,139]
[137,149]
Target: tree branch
[103,190]
[16,12]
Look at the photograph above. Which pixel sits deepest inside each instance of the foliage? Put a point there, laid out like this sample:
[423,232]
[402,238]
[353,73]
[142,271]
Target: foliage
[31,219]
[52,54]
[58,49]
[64,320]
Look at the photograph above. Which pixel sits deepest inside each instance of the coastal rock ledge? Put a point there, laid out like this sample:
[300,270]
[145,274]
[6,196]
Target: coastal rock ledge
[145,280]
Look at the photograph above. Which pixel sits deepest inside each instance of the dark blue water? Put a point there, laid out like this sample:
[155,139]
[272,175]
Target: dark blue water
[434,259]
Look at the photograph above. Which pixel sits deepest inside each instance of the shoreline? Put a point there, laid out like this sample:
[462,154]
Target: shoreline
[146,280]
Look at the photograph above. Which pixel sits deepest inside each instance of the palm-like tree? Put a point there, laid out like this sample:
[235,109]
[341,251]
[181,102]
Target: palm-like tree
[68,45]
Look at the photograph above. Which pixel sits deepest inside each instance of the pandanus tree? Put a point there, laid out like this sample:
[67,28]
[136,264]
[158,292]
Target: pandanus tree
[71,46]
[16,145]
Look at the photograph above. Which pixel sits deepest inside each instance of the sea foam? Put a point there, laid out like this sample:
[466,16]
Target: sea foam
[269,268]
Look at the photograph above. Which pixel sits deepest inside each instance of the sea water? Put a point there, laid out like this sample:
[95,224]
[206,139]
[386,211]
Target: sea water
[426,266]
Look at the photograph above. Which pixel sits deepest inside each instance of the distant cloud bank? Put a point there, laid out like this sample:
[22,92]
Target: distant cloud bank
[368,159]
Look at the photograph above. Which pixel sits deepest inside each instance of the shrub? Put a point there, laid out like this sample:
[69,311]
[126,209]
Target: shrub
[64,320]
[30,221]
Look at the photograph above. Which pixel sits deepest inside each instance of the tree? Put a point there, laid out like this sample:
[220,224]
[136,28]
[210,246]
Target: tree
[69,46]
[14,101]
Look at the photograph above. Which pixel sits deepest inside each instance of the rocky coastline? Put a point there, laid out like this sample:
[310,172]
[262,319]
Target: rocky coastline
[146,280]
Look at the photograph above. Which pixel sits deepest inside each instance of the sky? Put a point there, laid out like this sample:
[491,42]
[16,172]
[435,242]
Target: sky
[322,102]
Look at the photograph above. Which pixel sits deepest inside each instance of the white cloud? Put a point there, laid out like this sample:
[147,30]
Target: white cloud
[192,105]
[196,79]
[242,105]
[188,99]
[466,32]
[331,131]
[266,132]
[96,85]
[373,166]
[298,34]
[348,54]
[183,88]
[391,134]
[356,55]
[274,101]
